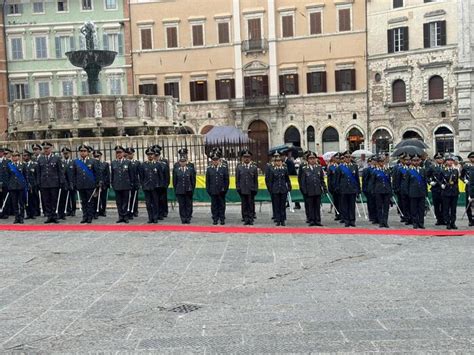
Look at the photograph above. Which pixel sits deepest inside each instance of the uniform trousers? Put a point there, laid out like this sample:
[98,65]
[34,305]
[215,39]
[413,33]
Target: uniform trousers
[122,200]
[218,206]
[49,197]
[88,203]
[163,202]
[449,209]
[313,208]
[18,203]
[34,201]
[347,207]
[185,202]
[62,203]
[405,206]
[382,207]
[437,205]
[469,210]
[247,207]
[103,201]
[152,203]
[3,196]
[372,206]
[279,201]
[417,211]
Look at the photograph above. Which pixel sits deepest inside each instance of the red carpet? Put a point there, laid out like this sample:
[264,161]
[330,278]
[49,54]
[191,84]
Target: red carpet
[230,229]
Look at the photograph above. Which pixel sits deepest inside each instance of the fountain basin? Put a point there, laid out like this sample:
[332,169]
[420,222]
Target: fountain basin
[95,57]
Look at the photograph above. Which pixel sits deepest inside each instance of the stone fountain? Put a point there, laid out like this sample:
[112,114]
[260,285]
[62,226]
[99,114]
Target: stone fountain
[92,60]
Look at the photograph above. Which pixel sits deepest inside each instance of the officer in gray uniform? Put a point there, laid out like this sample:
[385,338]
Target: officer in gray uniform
[450,192]
[467,173]
[104,169]
[17,183]
[246,181]
[435,179]
[68,190]
[184,183]
[217,185]
[312,186]
[36,148]
[134,165]
[164,168]
[30,167]
[348,185]
[150,178]
[279,185]
[50,179]
[122,180]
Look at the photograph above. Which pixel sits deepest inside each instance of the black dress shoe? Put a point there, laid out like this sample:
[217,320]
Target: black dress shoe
[312,224]
[352,224]
[318,224]
[149,221]
[222,222]
[55,221]
[21,221]
[453,226]
[347,224]
[89,221]
[119,221]
[415,226]
[214,222]
[125,220]
[283,223]
[84,221]
[246,223]
[15,221]
[251,223]
[448,226]
[471,224]
[278,223]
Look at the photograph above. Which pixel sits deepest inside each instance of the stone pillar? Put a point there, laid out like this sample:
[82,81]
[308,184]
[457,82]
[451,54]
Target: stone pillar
[272,51]
[239,90]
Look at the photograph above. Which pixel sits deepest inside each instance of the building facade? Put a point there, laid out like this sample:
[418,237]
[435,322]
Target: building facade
[3,80]
[39,33]
[413,54]
[281,70]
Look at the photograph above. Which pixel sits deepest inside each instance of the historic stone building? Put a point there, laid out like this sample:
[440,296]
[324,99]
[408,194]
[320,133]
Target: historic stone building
[281,70]
[3,80]
[465,76]
[413,54]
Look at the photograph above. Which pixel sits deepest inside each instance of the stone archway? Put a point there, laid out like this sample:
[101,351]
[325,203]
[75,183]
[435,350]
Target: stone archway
[330,140]
[311,138]
[382,139]
[355,139]
[412,134]
[292,135]
[444,140]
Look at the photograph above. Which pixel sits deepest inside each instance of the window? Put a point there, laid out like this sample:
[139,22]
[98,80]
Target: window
[316,82]
[148,89]
[41,48]
[223,32]
[113,42]
[345,80]
[16,48]
[67,87]
[287,26]
[315,23]
[84,87]
[436,88]
[172,37]
[62,6]
[110,4]
[397,3]
[434,34]
[254,29]
[399,91]
[146,38]
[38,7]
[397,39]
[15,9]
[43,89]
[172,89]
[344,18]
[198,35]
[444,140]
[63,44]
[225,89]
[115,85]
[289,84]
[198,90]
[19,91]
[86,5]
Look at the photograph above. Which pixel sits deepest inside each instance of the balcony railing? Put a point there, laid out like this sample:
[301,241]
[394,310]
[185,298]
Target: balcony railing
[263,100]
[254,45]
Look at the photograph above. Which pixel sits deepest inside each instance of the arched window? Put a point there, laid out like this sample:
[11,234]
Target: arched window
[311,137]
[382,140]
[330,140]
[355,139]
[412,134]
[292,135]
[399,93]
[436,88]
[444,140]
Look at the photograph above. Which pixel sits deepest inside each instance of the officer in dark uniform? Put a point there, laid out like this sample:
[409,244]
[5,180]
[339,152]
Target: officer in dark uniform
[68,190]
[3,183]
[368,189]
[382,190]
[104,171]
[417,192]
[183,152]
[30,167]
[348,184]
[50,179]
[303,164]
[184,182]
[333,190]
[312,186]
[246,182]
[289,162]
[150,178]
[134,165]
[279,185]
[162,189]
[34,197]
[217,185]
[450,192]
[470,190]
[122,180]
[396,180]
[404,189]
[466,174]
[17,184]
[87,180]
[435,178]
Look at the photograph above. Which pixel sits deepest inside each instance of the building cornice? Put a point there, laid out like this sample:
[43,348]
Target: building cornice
[411,52]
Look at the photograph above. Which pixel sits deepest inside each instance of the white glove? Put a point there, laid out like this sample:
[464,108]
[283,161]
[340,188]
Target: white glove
[432,183]
[466,181]
[471,198]
[443,186]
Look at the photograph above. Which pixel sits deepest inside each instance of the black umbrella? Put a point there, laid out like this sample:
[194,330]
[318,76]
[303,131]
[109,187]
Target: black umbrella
[408,149]
[412,142]
[285,148]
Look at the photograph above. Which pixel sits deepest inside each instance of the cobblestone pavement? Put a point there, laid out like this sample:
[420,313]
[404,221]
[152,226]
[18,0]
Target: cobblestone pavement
[221,293]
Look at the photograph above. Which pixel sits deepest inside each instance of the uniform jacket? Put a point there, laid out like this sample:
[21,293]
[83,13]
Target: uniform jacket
[50,172]
[104,169]
[134,166]
[184,180]
[311,180]
[347,184]
[15,183]
[331,169]
[150,175]
[3,172]
[417,182]
[367,180]
[404,180]
[165,173]
[435,174]
[278,180]
[470,186]
[246,179]
[467,171]
[122,177]
[68,168]
[31,171]
[450,181]
[217,179]
[83,180]
[382,179]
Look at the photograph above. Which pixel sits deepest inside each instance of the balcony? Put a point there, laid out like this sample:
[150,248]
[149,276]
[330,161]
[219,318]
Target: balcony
[254,45]
[257,100]
[261,101]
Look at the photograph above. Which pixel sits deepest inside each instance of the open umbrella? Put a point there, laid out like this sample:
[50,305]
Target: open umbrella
[408,149]
[285,148]
[412,142]
[328,155]
[358,153]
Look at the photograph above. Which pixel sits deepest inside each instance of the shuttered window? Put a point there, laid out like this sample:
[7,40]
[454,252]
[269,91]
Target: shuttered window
[344,20]
[223,28]
[397,40]
[148,89]
[434,34]
[145,35]
[198,90]
[315,26]
[397,3]
[287,26]
[172,89]
[316,82]
[225,89]
[172,37]
[345,80]
[198,36]
[289,84]
[436,88]
[254,29]
[399,91]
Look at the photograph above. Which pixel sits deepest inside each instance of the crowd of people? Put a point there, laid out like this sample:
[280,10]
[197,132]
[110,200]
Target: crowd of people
[40,183]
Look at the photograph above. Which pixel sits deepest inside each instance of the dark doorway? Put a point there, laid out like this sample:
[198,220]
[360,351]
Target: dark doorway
[292,135]
[412,134]
[258,132]
[355,139]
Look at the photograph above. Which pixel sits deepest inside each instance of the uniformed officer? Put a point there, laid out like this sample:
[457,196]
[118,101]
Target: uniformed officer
[302,165]
[150,176]
[312,186]
[183,152]
[417,191]
[405,206]
[466,174]
[3,183]
[348,184]
[104,171]
[450,192]
[435,178]
[184,182]
[34,197]
[396,180]
[37,150]
[217,185]
[134,165]
[122,180]
[30,167]
[289,162]
[368,189]
[246,181]
[17,185]
[162,189]
[382,190]
[87,180]
[68,190]
[332,187]
[50,179]
[470,192]
[279,185]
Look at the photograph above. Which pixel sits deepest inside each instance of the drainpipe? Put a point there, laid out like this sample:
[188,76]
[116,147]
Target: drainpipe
[369,138]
